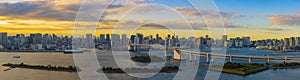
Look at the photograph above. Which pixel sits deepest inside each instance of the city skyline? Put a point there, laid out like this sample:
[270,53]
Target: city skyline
[52,42]
[164,35]
[44,16]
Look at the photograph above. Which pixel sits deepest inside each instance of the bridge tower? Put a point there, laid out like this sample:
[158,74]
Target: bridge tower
[177,55]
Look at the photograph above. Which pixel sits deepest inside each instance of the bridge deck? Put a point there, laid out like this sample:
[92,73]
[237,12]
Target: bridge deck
[240,56]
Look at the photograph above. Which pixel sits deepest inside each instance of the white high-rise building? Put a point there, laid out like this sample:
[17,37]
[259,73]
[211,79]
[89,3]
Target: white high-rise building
[115,38]
[89,40]
[124,39]
[224,39]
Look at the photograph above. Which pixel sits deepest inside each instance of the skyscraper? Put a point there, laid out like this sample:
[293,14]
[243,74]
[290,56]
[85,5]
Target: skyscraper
[89,38]
[169,36]
[297,41]
[102,37]
[21,38]
[140,38]
[132,38]
[292,41]
[286,42]
[157,38]
[246,41]
[36,38]
[224,39]
[45,40]
[107,37]
[115,38]
[124,39]
[3,39]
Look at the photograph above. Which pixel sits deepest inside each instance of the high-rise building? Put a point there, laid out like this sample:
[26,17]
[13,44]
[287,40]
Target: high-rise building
[36,38]
[89,38]
[232,42]
[286,42]
[209,42]
[224,39]
[297,41]
[140,38]
[3,39]
[157,38]
[292,41]
[136,40]
[22,39]
[132,38]
[206,36]
[200,42]
[45,40]
[246,41]
[150,40]
[124,39]
[102,37]
[115,38]
[107,37]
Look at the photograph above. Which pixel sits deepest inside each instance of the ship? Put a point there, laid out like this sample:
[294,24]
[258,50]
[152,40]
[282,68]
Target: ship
[16,57]
[72,51]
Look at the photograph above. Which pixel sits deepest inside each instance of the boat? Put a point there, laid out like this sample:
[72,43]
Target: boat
[261,48]
[7,69]
[72,51]
[16,56]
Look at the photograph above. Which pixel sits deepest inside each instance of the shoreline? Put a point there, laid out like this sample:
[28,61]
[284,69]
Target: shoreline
[170,69]
[43,67]
[229,71]
[248,69]
[31,51]
[147,59]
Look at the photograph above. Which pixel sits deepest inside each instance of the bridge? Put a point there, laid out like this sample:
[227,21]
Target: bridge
[178,52]
[134,47]
[211,57]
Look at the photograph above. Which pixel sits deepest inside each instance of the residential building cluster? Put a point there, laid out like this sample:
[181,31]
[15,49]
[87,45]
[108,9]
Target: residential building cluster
[286,44]
[34,42]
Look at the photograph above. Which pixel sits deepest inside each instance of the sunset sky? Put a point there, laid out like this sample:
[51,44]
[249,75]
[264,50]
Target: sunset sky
[260,19]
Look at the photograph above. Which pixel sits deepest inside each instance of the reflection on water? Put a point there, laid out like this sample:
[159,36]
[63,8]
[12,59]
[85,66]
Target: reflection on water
[105,58]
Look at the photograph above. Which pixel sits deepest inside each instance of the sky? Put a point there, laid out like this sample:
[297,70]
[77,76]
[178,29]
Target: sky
[259,19]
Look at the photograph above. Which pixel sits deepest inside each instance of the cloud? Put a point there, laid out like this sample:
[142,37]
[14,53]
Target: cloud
[34,10]
[61,9]
[270,33]
[211,17]
[47,12]
[285,19]
[206,12]
[153,25]
[14,9]
[274,29]
[163,24]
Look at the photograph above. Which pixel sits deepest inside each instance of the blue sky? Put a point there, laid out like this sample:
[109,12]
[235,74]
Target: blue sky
[254,7]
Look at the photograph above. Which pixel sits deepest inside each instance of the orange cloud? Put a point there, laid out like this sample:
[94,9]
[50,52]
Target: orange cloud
[285,19]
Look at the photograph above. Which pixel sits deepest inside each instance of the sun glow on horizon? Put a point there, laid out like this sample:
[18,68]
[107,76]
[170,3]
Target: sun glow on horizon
[3,22]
